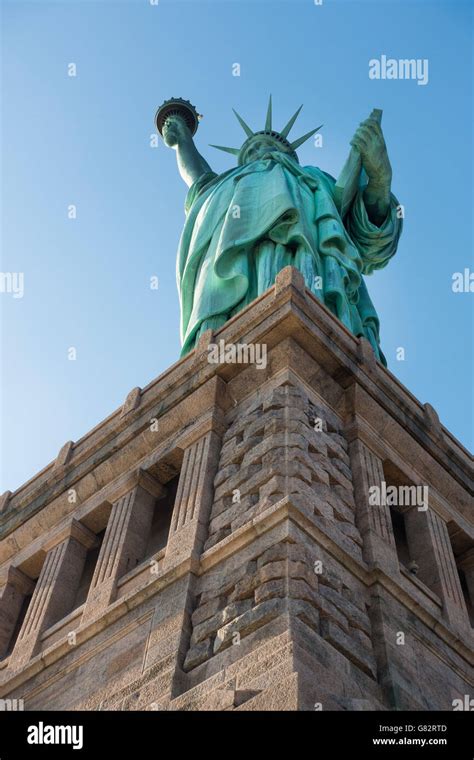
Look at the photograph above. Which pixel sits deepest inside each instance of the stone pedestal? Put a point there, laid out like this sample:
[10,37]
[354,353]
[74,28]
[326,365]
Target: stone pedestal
[281,584]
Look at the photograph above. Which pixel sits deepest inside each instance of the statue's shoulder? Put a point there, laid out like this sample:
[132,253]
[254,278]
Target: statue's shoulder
[315,171]
[202,185]
[330,178]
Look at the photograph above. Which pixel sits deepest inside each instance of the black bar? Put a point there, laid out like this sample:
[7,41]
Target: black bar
[315,734]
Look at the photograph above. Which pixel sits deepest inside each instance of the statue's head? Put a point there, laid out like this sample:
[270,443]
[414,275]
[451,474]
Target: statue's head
[258,144]
[261,143]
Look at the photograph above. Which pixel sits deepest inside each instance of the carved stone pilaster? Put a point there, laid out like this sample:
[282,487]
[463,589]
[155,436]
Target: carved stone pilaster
[466,563]
[12,594]
[124,542]
[373,520]
[55,589]
[193,498]
[430,546]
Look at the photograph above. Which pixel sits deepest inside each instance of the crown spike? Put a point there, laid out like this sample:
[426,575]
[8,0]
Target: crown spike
[242,123]
[301,140]
[234,151]
[268,121]
[285,131]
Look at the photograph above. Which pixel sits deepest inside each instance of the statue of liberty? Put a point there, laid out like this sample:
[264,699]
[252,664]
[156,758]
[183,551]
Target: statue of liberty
[244,225]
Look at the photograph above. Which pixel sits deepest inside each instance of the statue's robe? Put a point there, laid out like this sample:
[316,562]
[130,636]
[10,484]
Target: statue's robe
[245,225]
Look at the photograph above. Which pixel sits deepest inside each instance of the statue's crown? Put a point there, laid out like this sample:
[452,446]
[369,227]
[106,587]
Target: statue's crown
[279,137]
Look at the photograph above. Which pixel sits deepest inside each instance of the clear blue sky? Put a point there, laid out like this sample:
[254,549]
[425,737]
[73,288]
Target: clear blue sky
[86,141]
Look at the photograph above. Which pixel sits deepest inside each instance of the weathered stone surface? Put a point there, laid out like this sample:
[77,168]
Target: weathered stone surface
[198,653]
[206,611]
[352,649]
[281,551]
[248,622]
[275,586]
[355,617]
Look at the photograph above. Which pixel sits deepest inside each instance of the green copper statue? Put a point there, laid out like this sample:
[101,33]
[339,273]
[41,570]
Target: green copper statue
[243,226]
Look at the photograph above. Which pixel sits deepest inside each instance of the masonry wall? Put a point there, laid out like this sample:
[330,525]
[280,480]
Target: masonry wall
[279,585]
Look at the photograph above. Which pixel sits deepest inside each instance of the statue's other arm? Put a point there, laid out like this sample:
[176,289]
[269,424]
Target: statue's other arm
[191,164]
[370,142]
[373,221]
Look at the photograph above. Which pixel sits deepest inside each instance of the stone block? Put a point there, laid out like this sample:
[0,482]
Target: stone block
[351,648]
[197,654]
[248,622]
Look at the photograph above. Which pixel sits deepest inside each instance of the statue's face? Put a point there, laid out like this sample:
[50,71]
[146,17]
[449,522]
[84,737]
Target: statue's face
[258,147]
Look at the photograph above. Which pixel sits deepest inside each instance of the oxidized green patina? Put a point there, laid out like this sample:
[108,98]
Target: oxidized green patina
[243,226]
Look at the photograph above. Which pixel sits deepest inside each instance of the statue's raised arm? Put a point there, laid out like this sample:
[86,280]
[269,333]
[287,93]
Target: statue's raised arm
[177,121]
